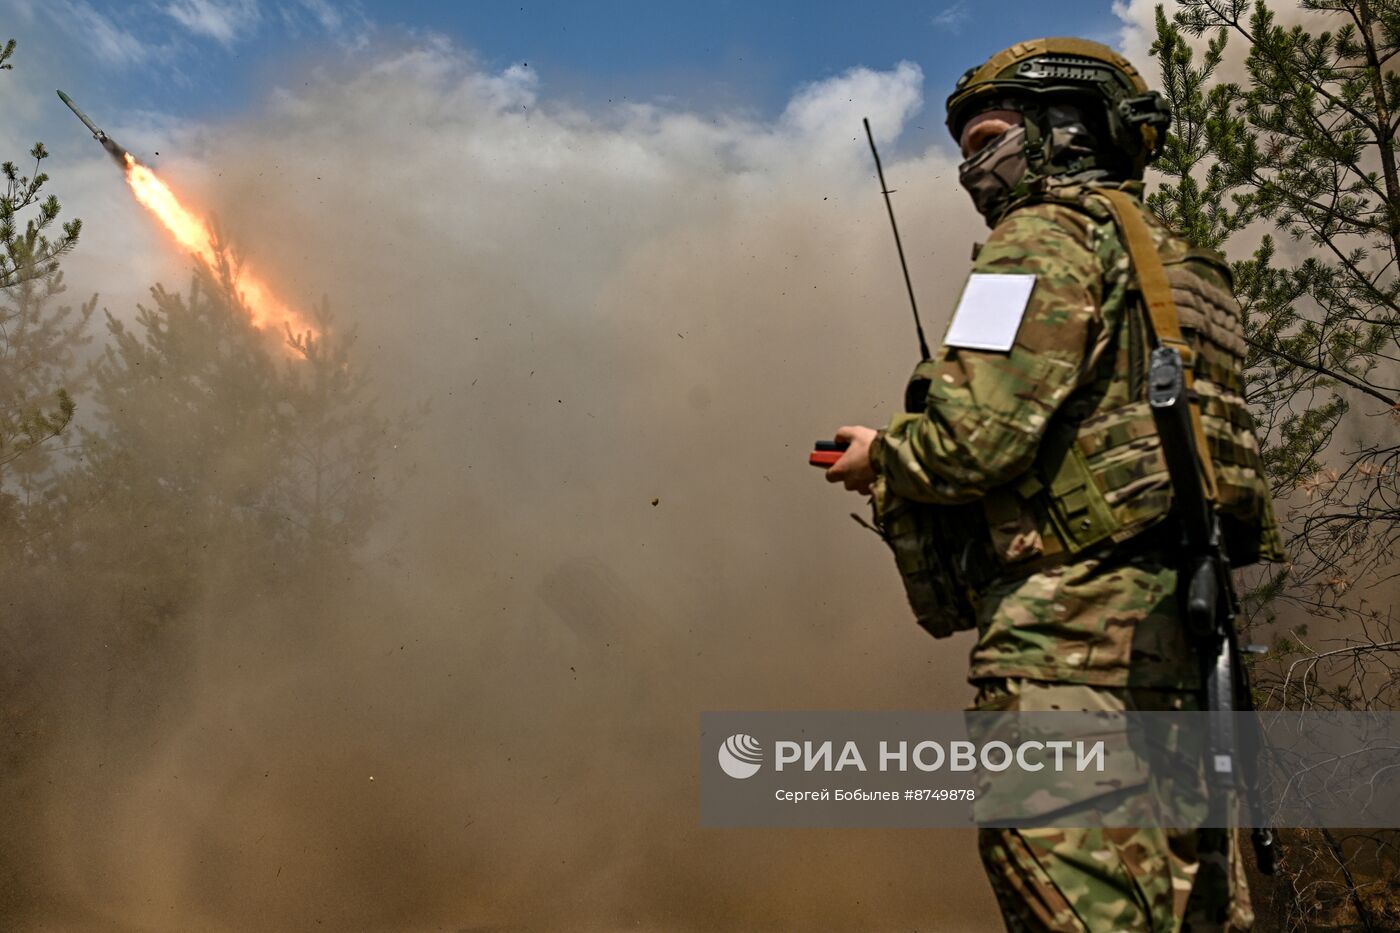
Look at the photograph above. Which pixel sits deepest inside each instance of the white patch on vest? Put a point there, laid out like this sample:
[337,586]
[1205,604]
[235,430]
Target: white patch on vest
[990,311]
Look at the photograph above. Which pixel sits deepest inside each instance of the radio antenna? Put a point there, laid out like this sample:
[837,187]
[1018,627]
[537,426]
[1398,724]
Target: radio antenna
[880,171]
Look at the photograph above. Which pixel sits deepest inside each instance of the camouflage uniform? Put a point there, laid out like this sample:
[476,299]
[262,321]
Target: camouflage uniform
[1111,878]
[1097,631]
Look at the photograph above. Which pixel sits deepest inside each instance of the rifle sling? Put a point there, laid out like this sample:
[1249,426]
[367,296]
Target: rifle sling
[1161,311]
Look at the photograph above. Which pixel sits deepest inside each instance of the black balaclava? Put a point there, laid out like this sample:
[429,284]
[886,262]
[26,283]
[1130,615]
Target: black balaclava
[1006,170]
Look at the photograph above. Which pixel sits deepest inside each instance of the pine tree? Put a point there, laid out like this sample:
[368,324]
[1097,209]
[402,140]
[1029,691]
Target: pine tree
[29,252]
[39,341]
[233,455]
[334,489]
[41,366]
[1303,150]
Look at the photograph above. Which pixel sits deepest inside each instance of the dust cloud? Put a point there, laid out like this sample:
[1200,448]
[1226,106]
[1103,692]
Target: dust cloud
[630,322]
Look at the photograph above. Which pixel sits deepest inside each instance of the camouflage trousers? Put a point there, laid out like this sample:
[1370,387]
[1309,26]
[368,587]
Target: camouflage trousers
[1110,879]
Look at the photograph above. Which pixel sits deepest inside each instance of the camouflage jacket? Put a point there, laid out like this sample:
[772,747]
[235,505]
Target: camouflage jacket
[1093,620]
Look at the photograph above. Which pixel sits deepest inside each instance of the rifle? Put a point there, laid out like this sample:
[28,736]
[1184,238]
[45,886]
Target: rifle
[1211,602]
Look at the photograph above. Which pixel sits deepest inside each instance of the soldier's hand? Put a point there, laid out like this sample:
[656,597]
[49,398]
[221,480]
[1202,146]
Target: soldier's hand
[853,470]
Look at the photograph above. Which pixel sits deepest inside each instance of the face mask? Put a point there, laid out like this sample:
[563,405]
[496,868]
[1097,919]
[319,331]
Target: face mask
[992,174]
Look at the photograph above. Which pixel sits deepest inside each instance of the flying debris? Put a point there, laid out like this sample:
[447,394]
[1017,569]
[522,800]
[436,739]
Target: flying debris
[108,143]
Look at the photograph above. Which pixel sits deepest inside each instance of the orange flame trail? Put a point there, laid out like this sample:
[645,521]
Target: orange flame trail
[264,308]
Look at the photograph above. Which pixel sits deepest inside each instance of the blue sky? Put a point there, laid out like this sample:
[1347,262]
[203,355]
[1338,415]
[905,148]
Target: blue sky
[205,59]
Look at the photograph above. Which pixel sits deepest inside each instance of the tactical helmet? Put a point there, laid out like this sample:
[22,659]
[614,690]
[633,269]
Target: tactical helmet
[1030,75]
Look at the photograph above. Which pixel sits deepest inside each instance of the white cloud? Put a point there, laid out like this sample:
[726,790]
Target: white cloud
[1138,30]
[952,18]
[224,21]
[346,23]
[101,35]
[24,9]
[331,19]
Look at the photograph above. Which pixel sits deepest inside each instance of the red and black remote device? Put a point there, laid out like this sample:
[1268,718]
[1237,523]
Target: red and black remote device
[827,453]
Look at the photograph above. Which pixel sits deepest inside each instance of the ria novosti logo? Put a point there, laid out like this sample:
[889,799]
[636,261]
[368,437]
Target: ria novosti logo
[741,756]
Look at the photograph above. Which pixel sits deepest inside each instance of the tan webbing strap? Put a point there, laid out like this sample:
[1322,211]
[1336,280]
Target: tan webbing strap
[1157,293]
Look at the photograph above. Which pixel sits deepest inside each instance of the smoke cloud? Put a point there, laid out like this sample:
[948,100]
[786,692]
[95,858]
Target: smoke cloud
[1138,31]
[630,322]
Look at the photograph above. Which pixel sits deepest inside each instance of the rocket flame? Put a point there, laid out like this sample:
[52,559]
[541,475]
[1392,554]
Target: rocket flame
[192,233]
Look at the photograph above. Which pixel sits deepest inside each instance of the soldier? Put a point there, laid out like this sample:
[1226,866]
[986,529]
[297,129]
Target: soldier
[1025,492]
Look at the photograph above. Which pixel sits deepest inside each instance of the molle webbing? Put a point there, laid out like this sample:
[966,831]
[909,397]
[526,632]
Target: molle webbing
[1161,310]
[1100,478]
